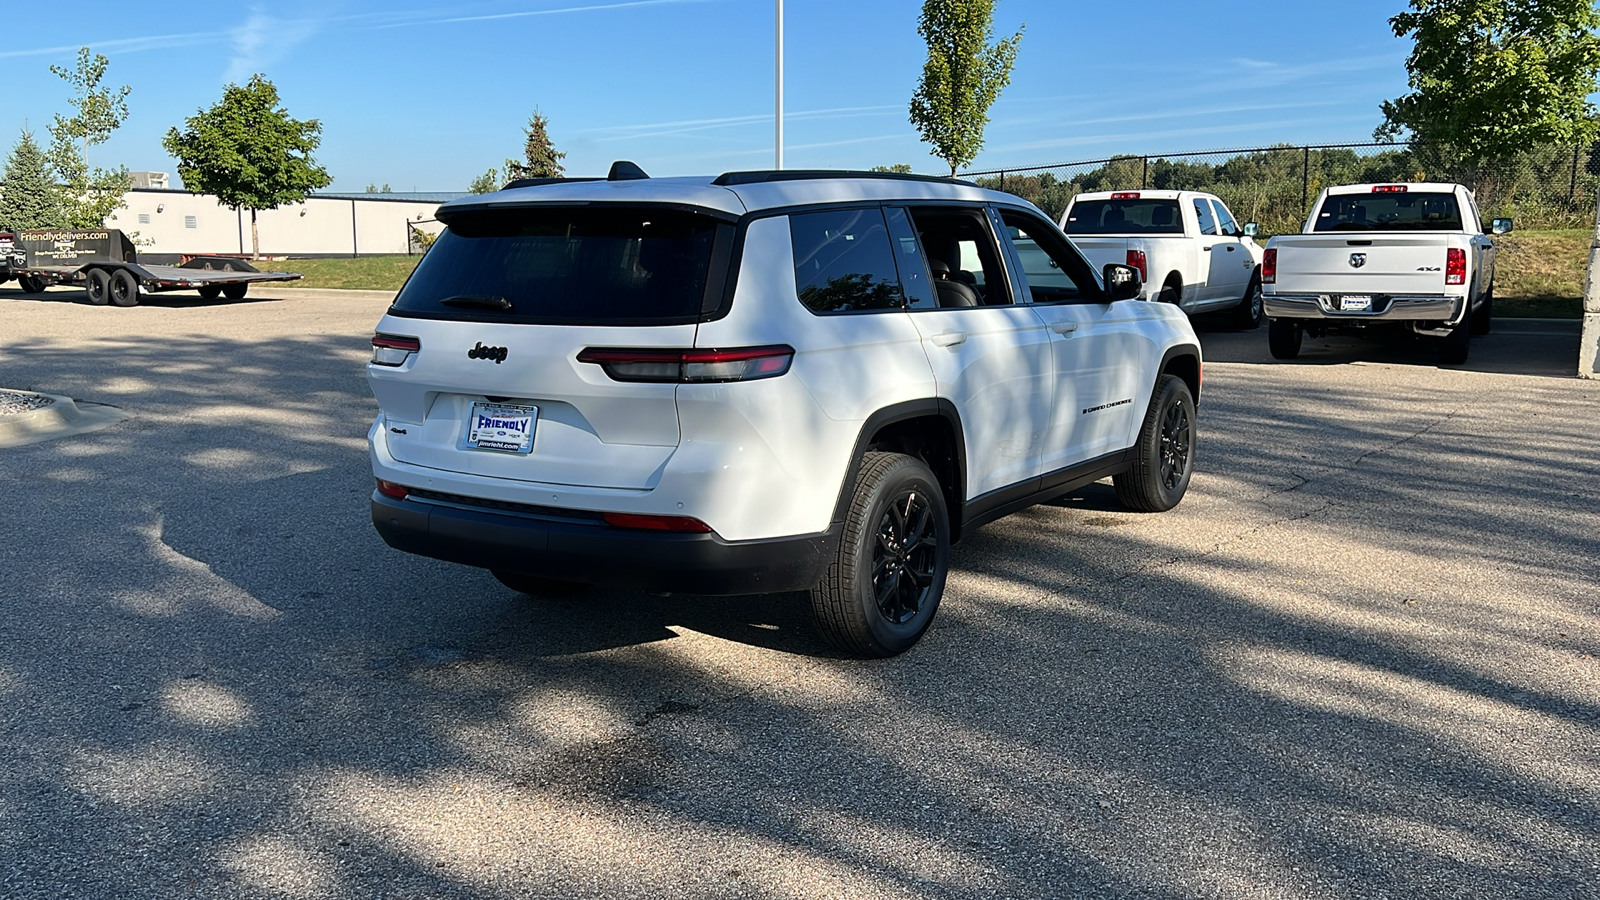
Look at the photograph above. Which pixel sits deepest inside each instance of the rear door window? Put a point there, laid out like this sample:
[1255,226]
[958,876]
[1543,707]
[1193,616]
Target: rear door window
[844,261]
[563,265]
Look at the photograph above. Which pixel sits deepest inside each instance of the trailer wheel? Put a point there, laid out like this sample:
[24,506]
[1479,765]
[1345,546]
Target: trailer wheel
[235,290]
[32,284]
[209,291]
[98,286]
[124,288]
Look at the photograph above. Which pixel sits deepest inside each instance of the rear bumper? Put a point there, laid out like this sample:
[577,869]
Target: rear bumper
[601,554]
[1385,308]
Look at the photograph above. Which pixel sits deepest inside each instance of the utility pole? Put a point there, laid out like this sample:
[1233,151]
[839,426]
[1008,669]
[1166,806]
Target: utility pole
[778,114]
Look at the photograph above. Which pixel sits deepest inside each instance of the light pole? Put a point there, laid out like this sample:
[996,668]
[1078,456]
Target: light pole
[778,113]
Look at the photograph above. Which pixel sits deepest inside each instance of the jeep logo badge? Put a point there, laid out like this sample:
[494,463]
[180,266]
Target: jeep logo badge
[498,354]
[1357,260]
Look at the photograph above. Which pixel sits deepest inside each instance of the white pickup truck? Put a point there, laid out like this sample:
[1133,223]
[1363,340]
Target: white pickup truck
[1412,255]
[1187,246]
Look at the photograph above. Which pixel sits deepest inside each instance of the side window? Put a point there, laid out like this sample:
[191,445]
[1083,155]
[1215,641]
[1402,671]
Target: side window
[843,261]
[962,256]
[920,292]
[1053,271]
[1225,219]
[1202,212]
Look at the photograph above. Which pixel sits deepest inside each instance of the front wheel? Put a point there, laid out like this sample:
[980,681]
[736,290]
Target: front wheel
[880,592]
[1248,314]
[1283,338]
[1163,458]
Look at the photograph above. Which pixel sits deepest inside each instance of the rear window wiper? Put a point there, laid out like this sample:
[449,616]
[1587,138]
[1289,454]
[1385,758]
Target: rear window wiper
[499,304]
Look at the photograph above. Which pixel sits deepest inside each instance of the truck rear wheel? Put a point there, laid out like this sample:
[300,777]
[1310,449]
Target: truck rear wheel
[235,290]
[1283,338]
[1482,318]
[1454,346]
[98,286]
[124,288]
[210,291]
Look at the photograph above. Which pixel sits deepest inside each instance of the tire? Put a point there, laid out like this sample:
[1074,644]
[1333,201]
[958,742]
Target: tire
[1283,338]
[881,591]
[534,586]
[209,291]
[1163,459]
[1171,292]
[32,284]
[235,290]
[98,287]
[124,288]
[1454,346]
[1250,311]
[1482,318]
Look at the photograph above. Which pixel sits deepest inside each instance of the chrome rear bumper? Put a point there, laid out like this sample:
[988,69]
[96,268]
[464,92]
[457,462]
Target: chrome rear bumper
[1424,308]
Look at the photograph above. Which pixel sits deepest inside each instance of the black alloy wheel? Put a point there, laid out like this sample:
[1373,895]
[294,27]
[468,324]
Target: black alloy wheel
[905,557]
[124,288]
[32,284]
[97,286]
[1177,445]
[1163,457]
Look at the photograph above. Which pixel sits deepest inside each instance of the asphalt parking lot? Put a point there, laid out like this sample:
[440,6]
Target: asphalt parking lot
[1359,660]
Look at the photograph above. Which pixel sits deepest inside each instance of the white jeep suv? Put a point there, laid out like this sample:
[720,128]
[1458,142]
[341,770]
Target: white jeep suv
[764,381]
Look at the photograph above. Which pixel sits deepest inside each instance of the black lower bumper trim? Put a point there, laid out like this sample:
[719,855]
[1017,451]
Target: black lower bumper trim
[600,554]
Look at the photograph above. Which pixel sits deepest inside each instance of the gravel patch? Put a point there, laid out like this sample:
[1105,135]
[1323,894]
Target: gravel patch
[13,403]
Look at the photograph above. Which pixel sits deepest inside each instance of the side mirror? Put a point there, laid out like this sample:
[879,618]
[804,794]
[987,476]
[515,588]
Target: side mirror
[1251,229]
[1500,226]
[1122,282]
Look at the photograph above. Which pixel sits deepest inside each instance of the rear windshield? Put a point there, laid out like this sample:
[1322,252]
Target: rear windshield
[1422,211]
[614,266]
[1124,217]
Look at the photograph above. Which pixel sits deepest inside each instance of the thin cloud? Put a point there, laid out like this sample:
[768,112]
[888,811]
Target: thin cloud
[522,14]
[263,40]
[121,45]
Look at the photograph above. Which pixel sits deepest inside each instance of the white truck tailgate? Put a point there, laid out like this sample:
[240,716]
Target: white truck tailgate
[1334,264]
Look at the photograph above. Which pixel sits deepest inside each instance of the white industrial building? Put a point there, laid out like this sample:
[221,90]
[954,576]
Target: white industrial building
[168,224]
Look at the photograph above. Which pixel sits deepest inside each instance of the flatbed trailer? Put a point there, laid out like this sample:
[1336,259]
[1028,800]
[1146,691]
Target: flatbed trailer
[106,263]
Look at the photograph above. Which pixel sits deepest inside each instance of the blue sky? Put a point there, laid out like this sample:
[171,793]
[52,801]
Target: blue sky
[425,97]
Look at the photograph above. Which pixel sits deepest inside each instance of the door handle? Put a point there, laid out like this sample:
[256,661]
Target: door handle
[1063,327]
[949,338]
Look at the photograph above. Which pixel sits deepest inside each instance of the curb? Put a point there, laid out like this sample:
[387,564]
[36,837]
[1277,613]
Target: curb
[1536,326]
[60,419]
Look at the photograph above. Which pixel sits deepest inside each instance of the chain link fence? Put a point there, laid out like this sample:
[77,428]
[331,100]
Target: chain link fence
[1543,188]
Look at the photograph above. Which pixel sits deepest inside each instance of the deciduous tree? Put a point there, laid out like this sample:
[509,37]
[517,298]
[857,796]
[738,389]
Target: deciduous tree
[487,183]
[87,195]
[249,152]
[1490,78]
[962,77]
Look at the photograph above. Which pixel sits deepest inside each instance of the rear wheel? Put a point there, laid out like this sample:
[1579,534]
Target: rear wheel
[32,284]
[1163,458]
[235,290]
[97,285]
[1248,313]
[883,587]
[1454,346]
[534,586]
[1481,319]
[209,291]
[124,288]
[1283,338]
[1171,292]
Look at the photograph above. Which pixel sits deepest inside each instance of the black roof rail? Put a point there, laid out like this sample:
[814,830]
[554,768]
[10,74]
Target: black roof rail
[535,182]
[764,176]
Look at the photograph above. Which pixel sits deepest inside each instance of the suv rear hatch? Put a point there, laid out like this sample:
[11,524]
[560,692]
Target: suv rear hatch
[502,306]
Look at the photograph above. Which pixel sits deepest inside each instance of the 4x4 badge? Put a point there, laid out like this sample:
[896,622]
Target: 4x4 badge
[498,354]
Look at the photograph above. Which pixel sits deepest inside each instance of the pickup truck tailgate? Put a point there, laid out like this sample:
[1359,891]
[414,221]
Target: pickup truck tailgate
[1101,250]
[1333,264]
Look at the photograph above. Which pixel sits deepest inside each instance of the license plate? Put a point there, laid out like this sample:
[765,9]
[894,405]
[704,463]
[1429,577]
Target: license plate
[501,427]
[1355,304]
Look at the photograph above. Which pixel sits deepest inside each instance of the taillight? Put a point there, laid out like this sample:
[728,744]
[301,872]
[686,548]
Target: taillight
[677,524]
[392,350]
[1388,189]
[1136,261]
[1455,266]
[1125,195]
[1269,266]
[390,489]
[691,366]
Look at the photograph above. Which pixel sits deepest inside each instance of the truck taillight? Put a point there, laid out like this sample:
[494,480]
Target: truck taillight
[1388,189]
[1269,266]
[1136,261]
[691,366]
[1125,195]
[393,350]
[1455,266]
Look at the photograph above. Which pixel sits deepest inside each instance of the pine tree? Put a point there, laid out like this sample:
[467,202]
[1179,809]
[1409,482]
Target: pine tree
[29,197]
[542,159]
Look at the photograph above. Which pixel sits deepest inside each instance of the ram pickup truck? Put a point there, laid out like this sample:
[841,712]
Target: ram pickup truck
[1187,246]
[1413,256]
